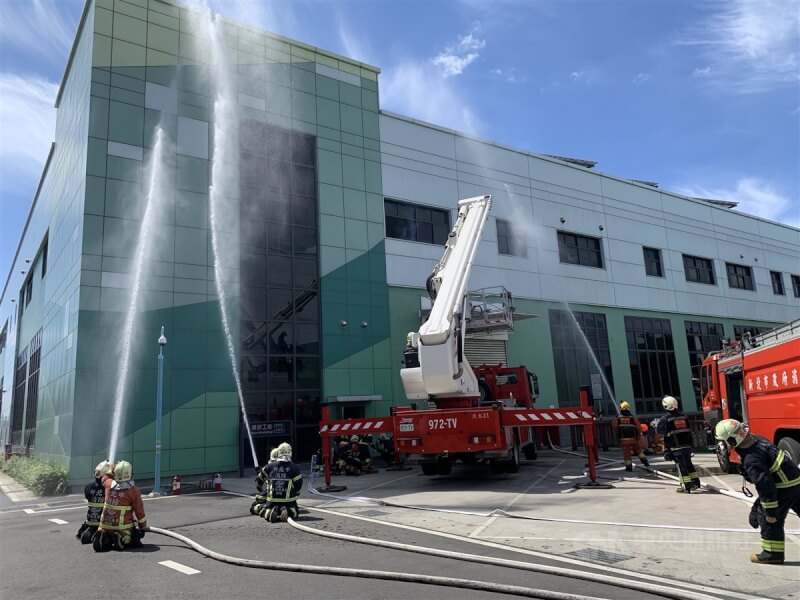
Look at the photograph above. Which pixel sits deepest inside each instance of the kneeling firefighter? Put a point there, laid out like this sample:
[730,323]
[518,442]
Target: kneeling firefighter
[777,480]
[283,488]
[95,494]
[262,478]
[674,427]
[123,520]
[628,429]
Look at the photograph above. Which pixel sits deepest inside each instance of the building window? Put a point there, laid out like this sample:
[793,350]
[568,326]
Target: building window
[796,285]
[44,257]
[740,330]
[701,338]
[510,239]
[279,295]
[405,221]
[3,340]
[652,262]
[579,250]
[699,270]
[578,339]
[651,355]
[29,290]
[740,276]
[777,283]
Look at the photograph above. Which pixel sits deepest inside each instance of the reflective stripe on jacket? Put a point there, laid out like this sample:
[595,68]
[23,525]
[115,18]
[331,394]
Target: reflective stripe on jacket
[285,481]
[770,469]
[123,503]
[95,496]
[675,427]
[627,426]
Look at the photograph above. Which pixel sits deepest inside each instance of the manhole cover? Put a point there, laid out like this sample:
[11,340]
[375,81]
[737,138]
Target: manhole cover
[600,555]
[372,513]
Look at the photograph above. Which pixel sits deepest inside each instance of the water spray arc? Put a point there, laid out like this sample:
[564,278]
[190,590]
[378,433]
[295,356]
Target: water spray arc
[155,187]
[592,355]
[224,179]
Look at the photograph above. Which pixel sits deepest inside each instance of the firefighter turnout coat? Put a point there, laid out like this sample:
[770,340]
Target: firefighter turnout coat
[284,481]
[777,480]
[123,504]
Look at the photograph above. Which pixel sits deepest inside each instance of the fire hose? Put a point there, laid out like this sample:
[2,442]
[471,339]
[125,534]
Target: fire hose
[498,588]
[641,586]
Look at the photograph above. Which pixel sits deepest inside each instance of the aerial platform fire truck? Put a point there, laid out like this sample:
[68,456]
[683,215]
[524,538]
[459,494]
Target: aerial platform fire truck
[756,380]
[457,413]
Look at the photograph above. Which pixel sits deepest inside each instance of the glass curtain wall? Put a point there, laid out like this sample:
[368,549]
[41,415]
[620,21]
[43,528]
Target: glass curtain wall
[651,354]
[280,324]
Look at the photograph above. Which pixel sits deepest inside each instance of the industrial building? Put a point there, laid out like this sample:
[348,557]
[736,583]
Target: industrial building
[343,210]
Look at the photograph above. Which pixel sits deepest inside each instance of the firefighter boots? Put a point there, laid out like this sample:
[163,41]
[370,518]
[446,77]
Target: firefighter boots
[767,558]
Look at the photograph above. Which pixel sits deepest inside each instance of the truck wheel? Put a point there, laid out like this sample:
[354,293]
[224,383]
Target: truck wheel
[724,459]
[530,452]
[512,466]
[428,467]
[444,466]
[791,447]
[486,393]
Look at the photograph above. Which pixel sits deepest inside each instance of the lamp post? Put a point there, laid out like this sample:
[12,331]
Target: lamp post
[162,341]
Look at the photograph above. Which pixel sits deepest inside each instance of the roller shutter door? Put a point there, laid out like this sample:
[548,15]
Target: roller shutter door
[483,351]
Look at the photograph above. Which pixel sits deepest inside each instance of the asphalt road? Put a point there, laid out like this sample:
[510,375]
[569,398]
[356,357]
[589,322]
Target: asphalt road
[42,559]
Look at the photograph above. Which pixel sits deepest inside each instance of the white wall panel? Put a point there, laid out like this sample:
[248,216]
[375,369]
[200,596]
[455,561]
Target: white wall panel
[420,165]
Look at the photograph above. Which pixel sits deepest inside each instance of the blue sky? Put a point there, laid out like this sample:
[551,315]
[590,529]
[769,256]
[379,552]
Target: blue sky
[702,97]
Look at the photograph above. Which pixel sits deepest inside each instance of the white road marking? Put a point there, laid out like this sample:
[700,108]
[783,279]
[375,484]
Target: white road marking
[58,521]
[29,511]
[179,567]
[545,555]
[478,530]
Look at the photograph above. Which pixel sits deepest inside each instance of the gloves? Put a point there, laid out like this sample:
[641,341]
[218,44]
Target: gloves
[668,455]
[753,517]
[142,532]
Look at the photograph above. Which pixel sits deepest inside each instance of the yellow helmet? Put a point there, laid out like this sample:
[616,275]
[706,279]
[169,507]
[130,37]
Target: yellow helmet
[730,431]
[669,403]
[284,450]
[625,406]
[123,471]
[102,468]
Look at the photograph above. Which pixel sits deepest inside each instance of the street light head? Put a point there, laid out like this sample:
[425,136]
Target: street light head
[162,341]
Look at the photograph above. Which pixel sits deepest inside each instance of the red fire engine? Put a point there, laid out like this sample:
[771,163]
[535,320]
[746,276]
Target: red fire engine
[457,413]
[756,380]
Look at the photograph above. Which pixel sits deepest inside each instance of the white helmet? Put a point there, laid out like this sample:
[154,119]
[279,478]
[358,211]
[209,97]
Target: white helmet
[123,471]
[102,468]
[284,451]
[730,431]
[273,455]
[669,403]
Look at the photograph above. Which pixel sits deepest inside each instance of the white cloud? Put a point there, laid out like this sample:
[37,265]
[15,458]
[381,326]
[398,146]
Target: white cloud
[416,89]
[755,197]
[753,44]
[586,76]
[510,75]
[27,120]
[702,72]
[42,27]
[642,78]
[454,59]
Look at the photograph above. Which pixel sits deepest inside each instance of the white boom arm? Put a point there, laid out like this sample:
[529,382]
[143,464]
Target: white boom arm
[443,370]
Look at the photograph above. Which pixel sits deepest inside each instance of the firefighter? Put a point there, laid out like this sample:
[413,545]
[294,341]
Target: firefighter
[674,427]
[122,521]
[628,427]
[283,488]
[777,480]
[260,500]
[95,495]
[362,451]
